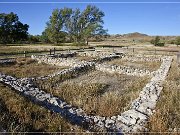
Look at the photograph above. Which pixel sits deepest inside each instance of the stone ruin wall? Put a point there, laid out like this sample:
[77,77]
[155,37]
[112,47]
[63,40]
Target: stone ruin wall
[131,120]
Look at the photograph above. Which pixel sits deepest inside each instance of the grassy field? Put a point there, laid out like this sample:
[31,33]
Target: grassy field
[34,47]
[99,93]
[151,66]
[96,92]
[17,114]
[26,67]
[10,51]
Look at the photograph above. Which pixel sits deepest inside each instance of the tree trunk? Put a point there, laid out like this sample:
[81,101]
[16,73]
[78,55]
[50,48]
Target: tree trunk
[87,42]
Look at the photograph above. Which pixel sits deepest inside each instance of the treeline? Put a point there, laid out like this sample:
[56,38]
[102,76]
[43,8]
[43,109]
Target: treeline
[64,25]
[157,41]
[11,29]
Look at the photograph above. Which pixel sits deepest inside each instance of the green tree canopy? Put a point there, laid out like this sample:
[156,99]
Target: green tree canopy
[11,29]
[177,41]
[157,41]
[54,29]
[78,25]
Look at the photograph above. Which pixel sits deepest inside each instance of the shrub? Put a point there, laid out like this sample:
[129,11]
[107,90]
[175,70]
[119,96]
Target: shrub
[160,44]
[79,44]
[172,42]
[177,41]
[157,41]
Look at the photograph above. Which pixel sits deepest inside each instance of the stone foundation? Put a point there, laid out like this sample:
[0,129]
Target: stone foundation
[122,70]
[7,61]
[131,120]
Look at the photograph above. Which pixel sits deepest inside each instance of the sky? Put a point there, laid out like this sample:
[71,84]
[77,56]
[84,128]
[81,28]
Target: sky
[153,17]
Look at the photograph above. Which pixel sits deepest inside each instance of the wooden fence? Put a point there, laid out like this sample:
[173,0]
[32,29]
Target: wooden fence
[50,52]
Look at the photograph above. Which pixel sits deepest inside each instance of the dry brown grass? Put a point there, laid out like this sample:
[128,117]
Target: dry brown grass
[85,58]
[7,49]
[26,67]
[167,115]
[17,114]
[94,97]
[152,66]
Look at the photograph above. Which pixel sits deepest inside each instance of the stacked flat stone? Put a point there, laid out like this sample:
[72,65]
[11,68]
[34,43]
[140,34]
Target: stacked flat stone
[74,70]
[76,66]
[108,58]
[93,53]
[135,58]
[26,88]
[129,121]
[122,70]
[76,116]
[56,61]
[65,55]
[96,54]
[7,61]
[142,107]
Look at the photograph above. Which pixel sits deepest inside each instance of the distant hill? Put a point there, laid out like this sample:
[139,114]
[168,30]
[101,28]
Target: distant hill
[135,35]
[130,35]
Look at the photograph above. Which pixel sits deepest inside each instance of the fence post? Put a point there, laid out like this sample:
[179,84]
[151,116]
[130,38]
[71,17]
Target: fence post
[155,51]
[24,54]
[50,51]
[54,51]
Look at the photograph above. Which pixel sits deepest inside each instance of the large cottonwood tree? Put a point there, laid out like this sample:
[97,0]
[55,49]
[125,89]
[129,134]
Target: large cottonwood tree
[11,29]
[78,25]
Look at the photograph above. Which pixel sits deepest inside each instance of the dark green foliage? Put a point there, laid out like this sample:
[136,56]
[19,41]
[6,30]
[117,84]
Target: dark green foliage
[157,41]
[34,39]
[74,25]
[160,44]
[11,29]
[172,42]
[177,41]
[54,29]
[44,37]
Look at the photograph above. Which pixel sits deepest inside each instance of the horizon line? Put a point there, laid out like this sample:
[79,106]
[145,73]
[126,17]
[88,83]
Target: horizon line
[171,35]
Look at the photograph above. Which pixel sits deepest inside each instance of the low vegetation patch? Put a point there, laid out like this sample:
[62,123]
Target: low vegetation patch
[26,67]
[151,66]
[98,95]
[18,114]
